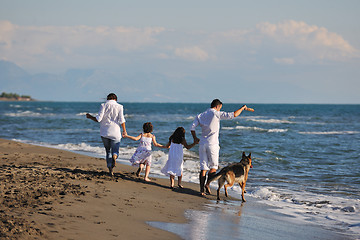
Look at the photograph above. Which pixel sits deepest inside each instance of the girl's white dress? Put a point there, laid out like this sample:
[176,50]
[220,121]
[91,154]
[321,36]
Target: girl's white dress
[174,164]
[142,154]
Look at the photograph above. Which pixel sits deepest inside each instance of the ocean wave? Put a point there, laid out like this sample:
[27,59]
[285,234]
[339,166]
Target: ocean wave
[307,206]
[28,114]
[277,121]
[80,147]
[277,130]
[15,105]
[257,129]
[293,120]
[332,133]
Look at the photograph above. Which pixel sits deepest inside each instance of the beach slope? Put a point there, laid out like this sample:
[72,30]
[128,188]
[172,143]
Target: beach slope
[55,194]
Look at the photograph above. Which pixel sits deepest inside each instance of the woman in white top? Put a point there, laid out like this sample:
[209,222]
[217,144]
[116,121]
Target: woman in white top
[142,155]
[174,165]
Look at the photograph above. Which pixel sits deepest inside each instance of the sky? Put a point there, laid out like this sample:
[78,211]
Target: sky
[257,51]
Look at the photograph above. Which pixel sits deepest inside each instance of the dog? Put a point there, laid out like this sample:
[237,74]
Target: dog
[236,172]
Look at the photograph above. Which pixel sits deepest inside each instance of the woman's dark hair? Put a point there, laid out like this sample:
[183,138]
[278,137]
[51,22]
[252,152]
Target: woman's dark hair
[148,127]
[178,135]
[112,96]
[215,103]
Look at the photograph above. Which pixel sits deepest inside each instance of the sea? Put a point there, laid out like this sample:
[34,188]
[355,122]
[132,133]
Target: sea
[306,157]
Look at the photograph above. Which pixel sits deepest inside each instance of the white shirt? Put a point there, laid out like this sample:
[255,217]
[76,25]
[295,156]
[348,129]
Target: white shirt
[110,117]
[210,125]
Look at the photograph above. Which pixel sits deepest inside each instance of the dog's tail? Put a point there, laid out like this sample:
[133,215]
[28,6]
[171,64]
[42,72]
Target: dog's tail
[215,176]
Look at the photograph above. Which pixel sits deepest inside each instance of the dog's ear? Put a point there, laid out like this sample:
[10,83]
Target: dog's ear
[244,154]
[249,155]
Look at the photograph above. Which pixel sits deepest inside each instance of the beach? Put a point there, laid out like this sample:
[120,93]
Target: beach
[54,194]
[48,193]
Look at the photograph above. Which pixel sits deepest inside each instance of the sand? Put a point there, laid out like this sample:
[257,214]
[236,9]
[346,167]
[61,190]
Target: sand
[48,193]
[53,194]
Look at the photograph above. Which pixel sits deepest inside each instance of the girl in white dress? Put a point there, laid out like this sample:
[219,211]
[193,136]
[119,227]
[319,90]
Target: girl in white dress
[142,155]
[174,164]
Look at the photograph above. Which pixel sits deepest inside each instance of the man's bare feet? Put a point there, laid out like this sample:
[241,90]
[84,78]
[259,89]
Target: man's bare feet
[180,186]
[147,179]
[111,171]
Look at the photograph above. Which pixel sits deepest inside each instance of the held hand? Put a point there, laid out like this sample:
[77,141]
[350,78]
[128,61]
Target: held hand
[124,134]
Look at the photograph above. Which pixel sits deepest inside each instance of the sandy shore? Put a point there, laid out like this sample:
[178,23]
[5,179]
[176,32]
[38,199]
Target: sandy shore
[54,194]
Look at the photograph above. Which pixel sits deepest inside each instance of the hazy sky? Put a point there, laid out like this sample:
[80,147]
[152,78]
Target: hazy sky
[190,51]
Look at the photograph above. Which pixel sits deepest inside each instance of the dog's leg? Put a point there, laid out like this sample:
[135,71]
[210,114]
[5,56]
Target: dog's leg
[221,183]
[246,177]
[230,178]
[207,188]
[242,185]
[207,185]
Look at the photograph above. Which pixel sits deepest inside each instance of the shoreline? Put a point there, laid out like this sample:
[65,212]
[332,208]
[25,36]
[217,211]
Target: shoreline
[17,100]
[55,194]
[51,193]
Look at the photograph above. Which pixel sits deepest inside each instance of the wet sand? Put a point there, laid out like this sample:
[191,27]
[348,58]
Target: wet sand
[48,193]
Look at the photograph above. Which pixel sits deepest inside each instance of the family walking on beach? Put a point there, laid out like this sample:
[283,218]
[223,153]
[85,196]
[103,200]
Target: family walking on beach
[111,119]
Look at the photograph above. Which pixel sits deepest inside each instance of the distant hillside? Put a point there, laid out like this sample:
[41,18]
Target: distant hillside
[14,97]
[79,84]
[9,70]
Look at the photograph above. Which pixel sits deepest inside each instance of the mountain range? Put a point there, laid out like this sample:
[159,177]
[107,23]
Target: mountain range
[47,86]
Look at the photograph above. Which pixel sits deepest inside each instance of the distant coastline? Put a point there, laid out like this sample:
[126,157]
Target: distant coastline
[15,97]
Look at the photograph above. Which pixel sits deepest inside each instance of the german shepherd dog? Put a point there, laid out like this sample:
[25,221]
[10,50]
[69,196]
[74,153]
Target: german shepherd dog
[236,172]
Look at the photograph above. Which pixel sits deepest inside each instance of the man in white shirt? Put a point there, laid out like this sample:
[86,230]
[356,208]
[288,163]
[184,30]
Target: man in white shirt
[110,117]
[209,148]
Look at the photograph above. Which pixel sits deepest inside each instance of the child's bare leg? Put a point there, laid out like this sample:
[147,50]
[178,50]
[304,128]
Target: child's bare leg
[141,166]
[172,181]
[147,171]
[179,181]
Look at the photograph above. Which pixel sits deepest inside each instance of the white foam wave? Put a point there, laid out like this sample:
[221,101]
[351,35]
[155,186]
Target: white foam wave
[28,114]
[15,106]
[332,133]
[277,121]
[277,130]
[82,147]
[43,108]
[313,207]
[257,129]
[292,120]
[189,118]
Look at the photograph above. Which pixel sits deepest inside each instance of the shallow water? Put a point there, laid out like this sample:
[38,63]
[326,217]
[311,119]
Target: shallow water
[233,220]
